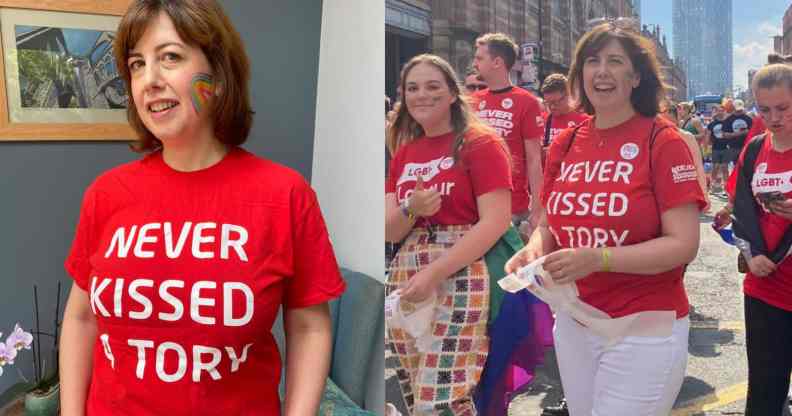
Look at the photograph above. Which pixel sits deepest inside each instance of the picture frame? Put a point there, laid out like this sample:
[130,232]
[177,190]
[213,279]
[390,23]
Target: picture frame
[58,80]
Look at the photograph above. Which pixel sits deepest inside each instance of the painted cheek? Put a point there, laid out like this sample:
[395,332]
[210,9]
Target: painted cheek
[201,91]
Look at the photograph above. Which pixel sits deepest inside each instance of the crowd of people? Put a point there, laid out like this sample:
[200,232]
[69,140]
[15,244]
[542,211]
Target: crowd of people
[601,181]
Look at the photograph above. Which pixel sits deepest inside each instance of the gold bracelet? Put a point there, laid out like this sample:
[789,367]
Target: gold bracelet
[606,256]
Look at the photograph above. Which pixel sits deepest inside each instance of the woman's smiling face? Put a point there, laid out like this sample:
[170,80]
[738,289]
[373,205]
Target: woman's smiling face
[428,96]
[171,82]
[609,78]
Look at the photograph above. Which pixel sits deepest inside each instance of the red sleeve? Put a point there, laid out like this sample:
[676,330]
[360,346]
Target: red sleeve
[77,263]
[675,175]
[316,276]
[487,161]
[532,123]
[394,171]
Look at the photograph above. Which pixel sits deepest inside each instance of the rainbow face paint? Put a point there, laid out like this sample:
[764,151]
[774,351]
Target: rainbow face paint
[202,91]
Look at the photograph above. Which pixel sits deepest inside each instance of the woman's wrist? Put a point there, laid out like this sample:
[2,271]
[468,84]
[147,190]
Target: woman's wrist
[404,207]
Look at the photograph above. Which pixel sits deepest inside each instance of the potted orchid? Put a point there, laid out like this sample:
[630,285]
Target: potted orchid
[42,391]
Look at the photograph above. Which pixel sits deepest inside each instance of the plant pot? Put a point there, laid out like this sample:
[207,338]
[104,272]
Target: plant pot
[43,404]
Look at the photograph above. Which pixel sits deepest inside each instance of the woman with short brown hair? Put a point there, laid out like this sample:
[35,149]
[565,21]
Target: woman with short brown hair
[182,259]
[622,202]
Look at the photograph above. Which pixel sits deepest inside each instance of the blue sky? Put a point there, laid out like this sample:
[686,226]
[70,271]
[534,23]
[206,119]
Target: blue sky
[754,22]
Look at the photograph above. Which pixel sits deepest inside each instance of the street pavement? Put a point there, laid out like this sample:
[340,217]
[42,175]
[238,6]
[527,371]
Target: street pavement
[717,369]
[717,372]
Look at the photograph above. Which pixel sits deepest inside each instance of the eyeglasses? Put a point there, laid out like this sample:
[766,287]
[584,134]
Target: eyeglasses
[475,87]
[556,102]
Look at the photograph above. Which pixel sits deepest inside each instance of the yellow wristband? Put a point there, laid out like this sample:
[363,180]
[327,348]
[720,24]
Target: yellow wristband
[606,255]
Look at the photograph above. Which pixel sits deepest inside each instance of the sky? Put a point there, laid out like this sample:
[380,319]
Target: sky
[754,24]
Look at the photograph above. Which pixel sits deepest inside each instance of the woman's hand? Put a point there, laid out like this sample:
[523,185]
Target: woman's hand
[424,202]
[761,266]
[568,265]
[782,208]
[420,287]
[722,218]
[523,257]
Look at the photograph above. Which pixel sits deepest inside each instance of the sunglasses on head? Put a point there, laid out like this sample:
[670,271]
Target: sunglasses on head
[475,87]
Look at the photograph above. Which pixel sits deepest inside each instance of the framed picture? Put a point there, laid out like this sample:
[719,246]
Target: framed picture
[58,76]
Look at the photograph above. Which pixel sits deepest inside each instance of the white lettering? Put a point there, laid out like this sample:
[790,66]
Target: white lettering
[199,239]
[209,367]
[178,308]
[141,353]
[122,243]
[95,293]
[197,301]
[144,301]
[182,368]
[236,361]
[237,245]
[143,239]
[171,251]
[228,304]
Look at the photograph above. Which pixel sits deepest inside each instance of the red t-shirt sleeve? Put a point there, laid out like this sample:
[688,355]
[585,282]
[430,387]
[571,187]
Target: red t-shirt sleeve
[675,175]
[487,161]
[77,263]
[532,124]
[316,278]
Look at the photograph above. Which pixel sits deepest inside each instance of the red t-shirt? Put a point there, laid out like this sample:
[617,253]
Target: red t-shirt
[483,167]
[772,172]
[186,272]
[562,122]
[603,193]
[515,115]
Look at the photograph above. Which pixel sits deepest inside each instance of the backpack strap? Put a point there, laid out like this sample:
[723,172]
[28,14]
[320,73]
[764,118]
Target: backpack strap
[751,153]
[547,130]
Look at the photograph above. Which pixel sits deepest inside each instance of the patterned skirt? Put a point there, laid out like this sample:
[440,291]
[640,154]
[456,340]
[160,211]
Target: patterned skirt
[441,380]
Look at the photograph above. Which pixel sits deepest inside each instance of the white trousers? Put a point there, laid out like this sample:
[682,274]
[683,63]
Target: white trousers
[639,376]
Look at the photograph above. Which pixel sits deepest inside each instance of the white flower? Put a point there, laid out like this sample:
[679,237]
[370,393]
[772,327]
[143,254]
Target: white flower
[19,339]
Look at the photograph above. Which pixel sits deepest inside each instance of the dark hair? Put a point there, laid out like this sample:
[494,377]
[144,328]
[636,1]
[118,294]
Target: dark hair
[201,23]
[405,129]
[649,93]
[501,46]
[554,83]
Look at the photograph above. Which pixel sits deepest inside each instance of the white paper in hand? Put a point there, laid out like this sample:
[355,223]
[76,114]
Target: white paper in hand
[564,298]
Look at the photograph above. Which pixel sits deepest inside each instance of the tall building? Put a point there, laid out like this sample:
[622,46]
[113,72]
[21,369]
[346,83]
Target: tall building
[786,30]
[703,44]
[407,33]
[637,10]
[672,73]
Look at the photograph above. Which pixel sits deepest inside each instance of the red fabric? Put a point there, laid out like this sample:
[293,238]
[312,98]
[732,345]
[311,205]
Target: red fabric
[191,268]
[516,116]
[758,127]
[602,195]
[772,172]
[565,121]
[484,167]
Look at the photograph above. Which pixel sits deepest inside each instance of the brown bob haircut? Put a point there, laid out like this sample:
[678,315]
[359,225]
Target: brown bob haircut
[651,91]
[203,24]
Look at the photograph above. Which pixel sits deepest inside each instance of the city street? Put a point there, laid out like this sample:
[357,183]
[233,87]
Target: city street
[717,369]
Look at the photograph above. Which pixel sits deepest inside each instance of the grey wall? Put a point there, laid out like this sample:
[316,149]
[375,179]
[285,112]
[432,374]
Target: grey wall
[41,184]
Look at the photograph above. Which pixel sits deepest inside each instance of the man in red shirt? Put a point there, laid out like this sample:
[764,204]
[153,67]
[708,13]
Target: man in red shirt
[514,113]
[561,114]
